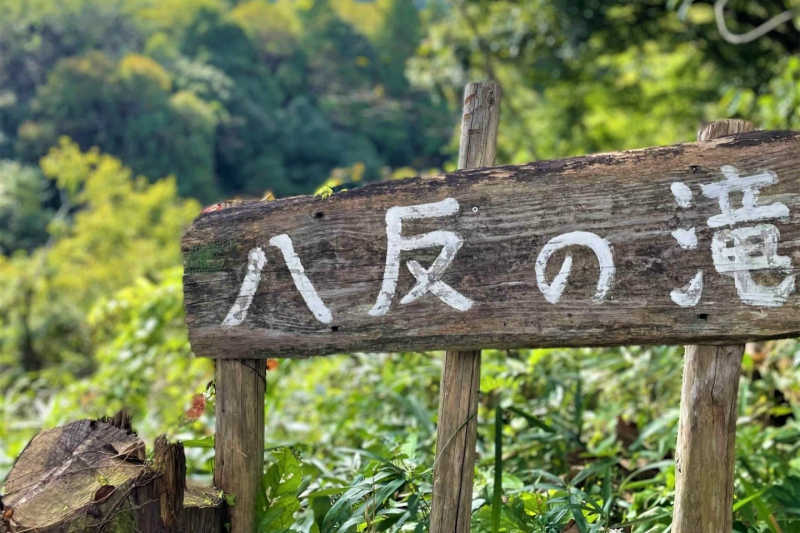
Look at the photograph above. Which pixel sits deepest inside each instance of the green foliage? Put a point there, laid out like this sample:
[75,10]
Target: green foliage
[126,108]
[278,499]
[37,34]
[774,106]
[296,96]
[143,362]
[98,311]
[230,98]
[116,229]
[23,217]
[565,451]
[589,76]
[386,499]
[129,223]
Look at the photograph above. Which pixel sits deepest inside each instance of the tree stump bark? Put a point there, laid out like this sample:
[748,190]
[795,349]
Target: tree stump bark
[91,475]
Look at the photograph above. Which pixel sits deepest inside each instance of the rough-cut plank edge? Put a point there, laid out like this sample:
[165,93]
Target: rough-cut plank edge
[538,168]
[706,448]
[457,430]
[724,128]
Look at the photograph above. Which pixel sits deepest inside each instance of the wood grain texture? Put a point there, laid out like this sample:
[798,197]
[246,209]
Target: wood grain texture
[159,503]
[506,215]
[456,435]
[204,511]
[457,429]
[91,475]
[480,120]
[239,440]
[706,450]
[165,505]
[705,454]
[55,481]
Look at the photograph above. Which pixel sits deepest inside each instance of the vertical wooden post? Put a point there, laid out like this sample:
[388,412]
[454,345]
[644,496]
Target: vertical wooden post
[451,509]
[239,442]
[705,454]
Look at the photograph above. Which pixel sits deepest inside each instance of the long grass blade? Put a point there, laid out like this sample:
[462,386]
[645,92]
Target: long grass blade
[497,494]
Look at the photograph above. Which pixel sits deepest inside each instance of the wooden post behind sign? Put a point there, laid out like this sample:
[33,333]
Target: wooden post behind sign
[239,441]
[705,454]
[451,509]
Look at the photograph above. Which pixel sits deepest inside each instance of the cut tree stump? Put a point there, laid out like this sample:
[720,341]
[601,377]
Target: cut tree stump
[92,475]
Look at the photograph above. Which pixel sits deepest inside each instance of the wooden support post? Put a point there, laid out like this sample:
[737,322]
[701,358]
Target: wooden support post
[451,509]
[239,443]
[705,454]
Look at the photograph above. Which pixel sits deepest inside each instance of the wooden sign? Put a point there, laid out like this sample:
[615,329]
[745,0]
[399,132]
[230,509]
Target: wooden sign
[689,243]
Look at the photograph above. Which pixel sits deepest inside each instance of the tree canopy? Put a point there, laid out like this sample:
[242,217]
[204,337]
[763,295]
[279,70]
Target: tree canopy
[231,98]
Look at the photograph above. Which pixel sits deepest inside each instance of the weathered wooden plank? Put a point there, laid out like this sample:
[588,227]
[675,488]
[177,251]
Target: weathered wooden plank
[457,429]
[706,450]
[487,293]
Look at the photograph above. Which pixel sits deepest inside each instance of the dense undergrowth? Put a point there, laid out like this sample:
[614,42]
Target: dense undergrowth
[585,435]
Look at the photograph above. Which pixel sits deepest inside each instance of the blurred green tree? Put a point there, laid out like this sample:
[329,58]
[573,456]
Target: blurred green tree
[118,229]
[126,108]
[217,92]
[24,207]
[597,75]
[36,34]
